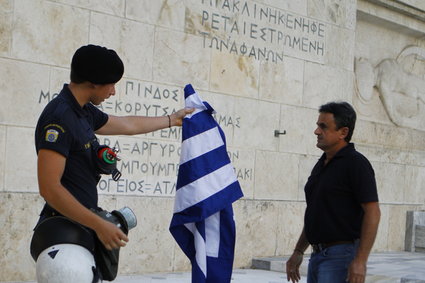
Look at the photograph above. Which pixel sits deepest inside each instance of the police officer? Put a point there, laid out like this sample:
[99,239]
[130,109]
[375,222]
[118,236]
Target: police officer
[65,140]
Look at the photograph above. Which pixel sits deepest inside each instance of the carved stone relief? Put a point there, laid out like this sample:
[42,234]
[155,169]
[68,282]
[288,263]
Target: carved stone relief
[401,90]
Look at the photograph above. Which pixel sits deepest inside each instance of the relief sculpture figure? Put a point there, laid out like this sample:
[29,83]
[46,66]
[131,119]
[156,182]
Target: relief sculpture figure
[401,92]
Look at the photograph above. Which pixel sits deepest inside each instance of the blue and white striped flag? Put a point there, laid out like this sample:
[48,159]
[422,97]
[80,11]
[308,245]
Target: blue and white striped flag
[203,223]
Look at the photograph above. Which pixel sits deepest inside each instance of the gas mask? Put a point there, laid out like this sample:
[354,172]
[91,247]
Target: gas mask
[107,260]
[124,218]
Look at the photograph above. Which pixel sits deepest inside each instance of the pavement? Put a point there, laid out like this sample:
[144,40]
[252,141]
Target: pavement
[389,267]
[238,275]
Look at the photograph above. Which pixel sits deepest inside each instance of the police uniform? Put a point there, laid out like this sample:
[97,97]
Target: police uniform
[67,128]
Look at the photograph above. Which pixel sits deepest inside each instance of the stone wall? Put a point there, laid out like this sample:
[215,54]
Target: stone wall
[264,65]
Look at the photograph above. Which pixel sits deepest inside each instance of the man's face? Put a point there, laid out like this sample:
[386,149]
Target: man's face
[328,136]
[101,93]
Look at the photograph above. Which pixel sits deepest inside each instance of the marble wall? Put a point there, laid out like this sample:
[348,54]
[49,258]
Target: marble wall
[264,65]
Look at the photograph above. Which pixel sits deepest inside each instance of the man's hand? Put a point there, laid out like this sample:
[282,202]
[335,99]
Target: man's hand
[293,267]
[110,235]
[356,271]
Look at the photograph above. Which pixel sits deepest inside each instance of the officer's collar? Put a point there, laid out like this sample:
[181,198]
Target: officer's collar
[74,103]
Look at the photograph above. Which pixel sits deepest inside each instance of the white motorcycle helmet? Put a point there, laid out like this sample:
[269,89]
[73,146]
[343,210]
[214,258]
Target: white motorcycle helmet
[65,263]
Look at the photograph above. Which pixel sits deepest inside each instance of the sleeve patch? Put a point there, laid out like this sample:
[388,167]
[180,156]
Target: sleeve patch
[52,135]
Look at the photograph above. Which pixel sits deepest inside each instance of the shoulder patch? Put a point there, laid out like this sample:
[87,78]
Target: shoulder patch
[52,135]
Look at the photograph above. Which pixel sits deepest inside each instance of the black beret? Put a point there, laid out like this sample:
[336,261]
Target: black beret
[97,64]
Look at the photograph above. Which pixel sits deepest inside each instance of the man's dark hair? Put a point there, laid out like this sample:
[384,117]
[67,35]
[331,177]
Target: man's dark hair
[344,116]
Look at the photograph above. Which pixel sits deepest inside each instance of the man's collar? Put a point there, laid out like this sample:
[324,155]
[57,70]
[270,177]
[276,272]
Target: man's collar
[341,153]
[345,150]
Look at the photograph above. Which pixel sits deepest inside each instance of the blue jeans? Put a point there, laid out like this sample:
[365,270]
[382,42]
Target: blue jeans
[331,264]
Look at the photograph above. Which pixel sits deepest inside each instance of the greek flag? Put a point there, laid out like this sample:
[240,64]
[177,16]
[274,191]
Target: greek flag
[203,223]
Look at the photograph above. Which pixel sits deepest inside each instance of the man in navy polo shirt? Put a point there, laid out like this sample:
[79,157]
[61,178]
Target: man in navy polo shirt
[342,215]
[65,137]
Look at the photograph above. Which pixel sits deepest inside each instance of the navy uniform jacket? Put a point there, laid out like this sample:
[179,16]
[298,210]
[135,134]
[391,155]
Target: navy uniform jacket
[67,128]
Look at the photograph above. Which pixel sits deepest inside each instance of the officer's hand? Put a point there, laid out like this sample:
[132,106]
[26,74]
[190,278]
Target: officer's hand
[110,235]
[177,118]
[293,267]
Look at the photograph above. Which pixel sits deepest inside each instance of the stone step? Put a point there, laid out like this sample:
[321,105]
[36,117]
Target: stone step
[277,264]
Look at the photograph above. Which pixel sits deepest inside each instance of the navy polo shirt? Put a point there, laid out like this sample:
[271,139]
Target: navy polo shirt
[67,128]
[334,194]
